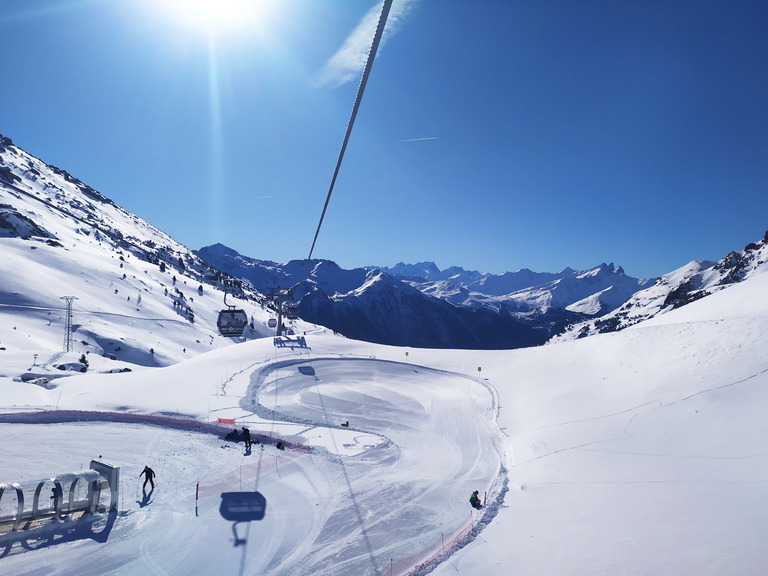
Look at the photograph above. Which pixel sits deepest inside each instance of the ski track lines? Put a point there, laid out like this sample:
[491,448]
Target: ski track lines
[326,513]
[422,418]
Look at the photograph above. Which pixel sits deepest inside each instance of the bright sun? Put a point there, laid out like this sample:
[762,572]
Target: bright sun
[217,16]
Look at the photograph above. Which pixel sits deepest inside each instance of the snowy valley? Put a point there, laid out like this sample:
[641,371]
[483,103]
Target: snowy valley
[631,444]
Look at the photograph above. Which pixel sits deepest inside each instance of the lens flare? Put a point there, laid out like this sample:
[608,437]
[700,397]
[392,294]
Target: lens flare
[216,15]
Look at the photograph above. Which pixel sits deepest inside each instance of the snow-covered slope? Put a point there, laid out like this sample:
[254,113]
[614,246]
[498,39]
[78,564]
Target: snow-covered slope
[139,296]
[636,452]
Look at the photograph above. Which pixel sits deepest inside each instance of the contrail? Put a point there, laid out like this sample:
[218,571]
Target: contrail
[420,139]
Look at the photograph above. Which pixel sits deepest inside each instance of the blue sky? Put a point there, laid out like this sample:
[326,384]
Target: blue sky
[493,135]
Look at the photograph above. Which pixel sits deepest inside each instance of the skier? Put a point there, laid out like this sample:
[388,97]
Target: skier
[475,500]
[150,474]
[57,495]
[247,438]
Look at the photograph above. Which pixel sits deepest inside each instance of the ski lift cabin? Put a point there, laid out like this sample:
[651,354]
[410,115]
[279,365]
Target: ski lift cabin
[292,311]
[232,321]
[272,322]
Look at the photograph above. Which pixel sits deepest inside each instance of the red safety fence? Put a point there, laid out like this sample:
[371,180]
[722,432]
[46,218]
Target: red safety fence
[439,550]
[62,416]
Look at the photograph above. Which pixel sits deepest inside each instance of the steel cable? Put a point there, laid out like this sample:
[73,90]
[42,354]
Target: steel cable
[360,89]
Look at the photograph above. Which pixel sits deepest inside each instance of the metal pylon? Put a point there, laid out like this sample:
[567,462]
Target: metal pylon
[68,323]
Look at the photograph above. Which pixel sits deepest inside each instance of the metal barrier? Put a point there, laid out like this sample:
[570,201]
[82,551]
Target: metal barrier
[91,483]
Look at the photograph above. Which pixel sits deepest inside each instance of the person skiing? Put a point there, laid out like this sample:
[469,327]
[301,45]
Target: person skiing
[475,500]
[150,474]
[247,438]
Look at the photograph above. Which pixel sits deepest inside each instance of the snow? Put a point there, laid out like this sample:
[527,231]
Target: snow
[634,452]
[333,508]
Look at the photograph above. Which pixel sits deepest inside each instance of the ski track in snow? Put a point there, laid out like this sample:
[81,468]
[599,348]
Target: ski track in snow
[429,437]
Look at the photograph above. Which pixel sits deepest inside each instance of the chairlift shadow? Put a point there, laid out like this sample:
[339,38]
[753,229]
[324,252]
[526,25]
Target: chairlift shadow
[292,343]
[242,507]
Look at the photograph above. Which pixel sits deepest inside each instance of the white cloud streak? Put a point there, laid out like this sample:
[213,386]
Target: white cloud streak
[347,64]
[420,139]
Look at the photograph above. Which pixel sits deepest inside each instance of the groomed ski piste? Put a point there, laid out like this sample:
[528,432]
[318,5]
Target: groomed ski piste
[341,500]
[639,452]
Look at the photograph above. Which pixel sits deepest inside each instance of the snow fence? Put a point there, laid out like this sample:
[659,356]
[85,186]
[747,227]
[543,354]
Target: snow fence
[419,562]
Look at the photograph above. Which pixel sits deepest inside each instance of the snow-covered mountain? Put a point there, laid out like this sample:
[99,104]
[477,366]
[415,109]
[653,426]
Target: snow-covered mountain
[64,235]
[369,304]
[691,282]
[589,292]
[387,311]
[637,452]
[130,281]
[420,305]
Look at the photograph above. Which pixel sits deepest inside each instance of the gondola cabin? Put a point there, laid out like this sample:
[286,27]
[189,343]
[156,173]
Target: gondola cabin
[232,322]
[292,311]
[272,323]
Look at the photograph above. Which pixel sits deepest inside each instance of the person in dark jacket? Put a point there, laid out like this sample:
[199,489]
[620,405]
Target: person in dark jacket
[57,495]
[150,475]
[247,438]
[475,500]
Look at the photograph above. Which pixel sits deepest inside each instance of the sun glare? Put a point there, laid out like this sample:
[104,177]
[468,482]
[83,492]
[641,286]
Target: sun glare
[217,16]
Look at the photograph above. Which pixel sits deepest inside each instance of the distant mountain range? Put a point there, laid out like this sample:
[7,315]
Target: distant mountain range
[420,305]
[415,305]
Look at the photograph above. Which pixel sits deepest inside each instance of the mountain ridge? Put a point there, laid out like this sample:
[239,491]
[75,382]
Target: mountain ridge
[697,279]
[494,311]
[53,223]
[59,237]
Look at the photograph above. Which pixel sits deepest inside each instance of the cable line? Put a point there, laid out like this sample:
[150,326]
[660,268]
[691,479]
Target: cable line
[360,89]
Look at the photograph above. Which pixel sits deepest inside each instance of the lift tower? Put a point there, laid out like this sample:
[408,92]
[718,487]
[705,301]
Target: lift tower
[276,296]
[68,323]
